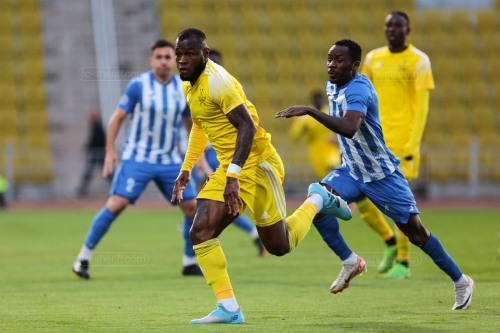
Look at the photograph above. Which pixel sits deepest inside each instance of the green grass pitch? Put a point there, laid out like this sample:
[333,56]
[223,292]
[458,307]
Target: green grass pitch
[39,293]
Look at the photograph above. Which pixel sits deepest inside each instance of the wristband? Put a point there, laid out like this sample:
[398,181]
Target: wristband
[233,170]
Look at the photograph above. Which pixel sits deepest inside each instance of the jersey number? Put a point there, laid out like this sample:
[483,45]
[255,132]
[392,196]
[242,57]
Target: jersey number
[130,185]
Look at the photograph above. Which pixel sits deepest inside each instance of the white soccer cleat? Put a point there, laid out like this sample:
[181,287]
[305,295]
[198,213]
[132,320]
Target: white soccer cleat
[346,275]
[463,294]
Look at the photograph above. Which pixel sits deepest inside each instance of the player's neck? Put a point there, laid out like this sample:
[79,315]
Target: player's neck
[398,48]
[163,78]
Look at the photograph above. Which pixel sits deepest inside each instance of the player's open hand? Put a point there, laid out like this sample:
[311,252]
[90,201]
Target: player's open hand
[293,111]
[232,196]
[111,160]
[179,186]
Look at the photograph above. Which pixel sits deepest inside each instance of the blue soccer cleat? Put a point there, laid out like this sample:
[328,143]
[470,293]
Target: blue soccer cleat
[221,316]
[332,204]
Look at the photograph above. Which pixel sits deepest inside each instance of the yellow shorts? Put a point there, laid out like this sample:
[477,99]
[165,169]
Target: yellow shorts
[260,189]
[409,169]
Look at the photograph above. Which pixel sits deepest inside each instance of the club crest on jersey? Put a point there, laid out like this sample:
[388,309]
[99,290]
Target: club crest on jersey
[202,98]
[176,96]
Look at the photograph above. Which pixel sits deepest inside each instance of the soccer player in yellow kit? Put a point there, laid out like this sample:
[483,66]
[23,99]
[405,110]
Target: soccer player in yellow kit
[324,151]
[402,77]
[250,173]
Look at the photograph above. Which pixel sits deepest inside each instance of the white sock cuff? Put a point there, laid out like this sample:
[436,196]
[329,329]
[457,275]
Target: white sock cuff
[85,254]
[317,200]
[188,261]
[351,260]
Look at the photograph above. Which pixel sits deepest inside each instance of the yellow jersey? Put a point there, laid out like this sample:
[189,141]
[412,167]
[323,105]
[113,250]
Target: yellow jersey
[324,154]
[396,78]
[212,96]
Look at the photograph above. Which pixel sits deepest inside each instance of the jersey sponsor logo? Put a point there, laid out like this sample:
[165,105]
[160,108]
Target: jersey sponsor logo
[177,96]
[264,216]
[378,64]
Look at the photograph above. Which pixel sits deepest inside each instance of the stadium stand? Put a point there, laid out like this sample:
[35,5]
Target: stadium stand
[23,117]
[276,48]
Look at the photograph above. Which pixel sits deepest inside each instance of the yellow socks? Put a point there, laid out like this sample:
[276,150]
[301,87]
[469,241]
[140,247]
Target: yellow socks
[213,263]
[403,246]
[299,223]
[374,218]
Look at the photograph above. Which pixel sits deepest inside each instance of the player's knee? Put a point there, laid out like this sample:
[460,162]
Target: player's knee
[278,250]
[415,231]
[117,204]
[199,235]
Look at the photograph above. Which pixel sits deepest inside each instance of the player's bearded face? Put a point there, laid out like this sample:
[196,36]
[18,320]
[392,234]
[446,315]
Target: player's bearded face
[190,62]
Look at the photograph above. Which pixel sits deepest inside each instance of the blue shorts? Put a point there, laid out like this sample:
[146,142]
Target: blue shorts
[131,178]
[392,194]
[212,161]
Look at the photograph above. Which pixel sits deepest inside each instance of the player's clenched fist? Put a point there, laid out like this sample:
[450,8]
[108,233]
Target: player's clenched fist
[180,184]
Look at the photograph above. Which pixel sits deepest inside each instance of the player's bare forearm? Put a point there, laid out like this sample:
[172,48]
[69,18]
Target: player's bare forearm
[346,126]
[241,119]
[114,126]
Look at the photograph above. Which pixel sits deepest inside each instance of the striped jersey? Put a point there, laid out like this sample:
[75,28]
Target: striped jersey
[366,155]
[156,110]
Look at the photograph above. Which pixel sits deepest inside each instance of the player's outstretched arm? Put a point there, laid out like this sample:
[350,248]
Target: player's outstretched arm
[240,118]
[114,125]
[346,126]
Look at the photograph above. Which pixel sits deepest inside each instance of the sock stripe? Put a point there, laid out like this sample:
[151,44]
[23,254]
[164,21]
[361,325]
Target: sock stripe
[279,195]
[208,243]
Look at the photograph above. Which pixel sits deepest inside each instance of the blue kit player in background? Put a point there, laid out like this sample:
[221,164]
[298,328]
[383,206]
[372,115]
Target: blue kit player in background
[369,170]
[201,173]
[156,104]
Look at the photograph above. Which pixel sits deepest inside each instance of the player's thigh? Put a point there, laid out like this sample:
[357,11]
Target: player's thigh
[130,180]
[344,184]
[165,176]
[409,169]
[392,196]
[262,191]
[211,218]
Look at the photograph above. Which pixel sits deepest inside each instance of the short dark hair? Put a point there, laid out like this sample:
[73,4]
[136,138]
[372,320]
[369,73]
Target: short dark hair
[161,43]
[192,32]
[403,14]
[354,48]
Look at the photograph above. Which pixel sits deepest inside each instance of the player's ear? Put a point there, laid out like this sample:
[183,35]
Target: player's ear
[355,65]
[206,52]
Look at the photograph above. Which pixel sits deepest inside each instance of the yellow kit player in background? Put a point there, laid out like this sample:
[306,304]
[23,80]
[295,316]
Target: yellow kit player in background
[402,77]
[250,173]
[322,144]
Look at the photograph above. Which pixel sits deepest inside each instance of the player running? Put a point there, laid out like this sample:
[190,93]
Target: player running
[250,173]
[156,104]
[369,169]
[402,77]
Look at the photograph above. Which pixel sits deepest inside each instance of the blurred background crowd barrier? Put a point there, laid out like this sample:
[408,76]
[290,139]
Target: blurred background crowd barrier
[58,58]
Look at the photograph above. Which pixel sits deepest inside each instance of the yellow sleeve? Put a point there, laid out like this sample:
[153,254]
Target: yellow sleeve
[367,65]
[298,128]
[423,75]
[223,92]
[196,146]
[413,145]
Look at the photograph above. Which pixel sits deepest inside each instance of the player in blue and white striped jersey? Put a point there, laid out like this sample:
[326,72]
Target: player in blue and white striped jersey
[156,103]
[369,170]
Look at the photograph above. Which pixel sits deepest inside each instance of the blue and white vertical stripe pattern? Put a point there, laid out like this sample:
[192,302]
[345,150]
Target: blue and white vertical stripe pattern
[156,110]
[366,155]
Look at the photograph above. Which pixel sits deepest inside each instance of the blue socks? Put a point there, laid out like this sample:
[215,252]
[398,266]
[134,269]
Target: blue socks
[328,227]
[188,244]
[244,223]
[435,250]
[100,225]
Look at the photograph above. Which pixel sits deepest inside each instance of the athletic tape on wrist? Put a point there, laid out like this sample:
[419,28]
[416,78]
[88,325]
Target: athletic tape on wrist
[233,170]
